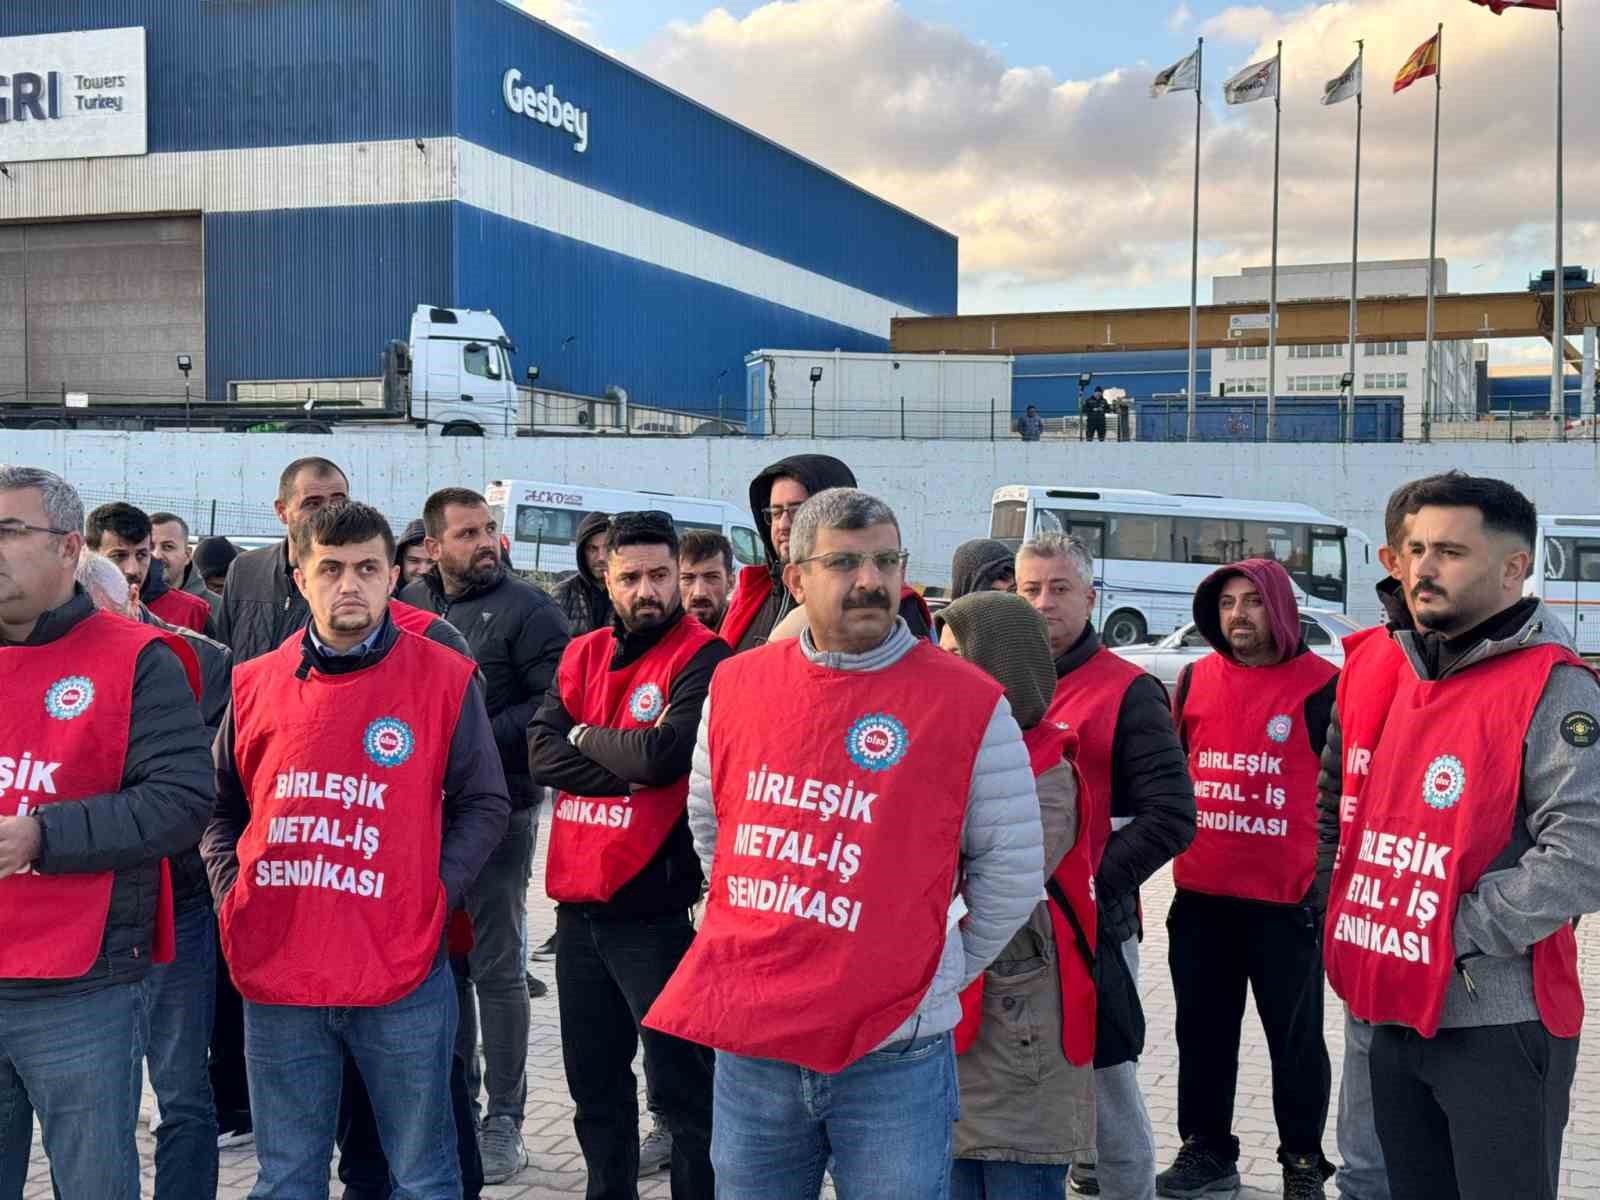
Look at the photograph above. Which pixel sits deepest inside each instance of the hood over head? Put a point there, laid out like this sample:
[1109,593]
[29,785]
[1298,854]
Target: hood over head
[592,523]
[1277,594]
[977,564]
[414,533]
[1004,636]
[815,472]
[212,556]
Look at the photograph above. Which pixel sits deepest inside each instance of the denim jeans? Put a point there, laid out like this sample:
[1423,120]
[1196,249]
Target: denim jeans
[403,1052]
[179,1000]
[884,1121]
[1125,1141]
[980,1179]
[498,904]
[1362,1175]
[79,1061]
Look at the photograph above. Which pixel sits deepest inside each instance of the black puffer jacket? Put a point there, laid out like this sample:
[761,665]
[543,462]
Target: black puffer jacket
[581,596]
[159,811]
[516,634]
[261,606]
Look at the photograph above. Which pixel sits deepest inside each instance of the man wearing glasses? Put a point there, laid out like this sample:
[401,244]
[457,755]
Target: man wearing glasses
[615,736]
[762,598]
[104,772]
[869,808]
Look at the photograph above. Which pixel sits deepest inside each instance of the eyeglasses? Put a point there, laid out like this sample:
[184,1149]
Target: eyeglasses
[848,562]
[781,510]
[10,531]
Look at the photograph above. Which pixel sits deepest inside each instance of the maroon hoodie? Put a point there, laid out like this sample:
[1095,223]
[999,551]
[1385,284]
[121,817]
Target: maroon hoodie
[1277,594]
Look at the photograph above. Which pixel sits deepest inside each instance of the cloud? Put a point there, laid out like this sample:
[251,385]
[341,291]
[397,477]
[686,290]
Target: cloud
[1179,19]
[569,15]
[1241,23]
[1067,192]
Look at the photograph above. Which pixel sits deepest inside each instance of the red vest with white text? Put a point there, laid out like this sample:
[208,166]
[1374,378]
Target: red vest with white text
[64,736]
[840,798]
[1049,744]
[1089,699]
[1436,811]
[599,843]
[181,608]
[1255,778]
[1373,662]
[338,900]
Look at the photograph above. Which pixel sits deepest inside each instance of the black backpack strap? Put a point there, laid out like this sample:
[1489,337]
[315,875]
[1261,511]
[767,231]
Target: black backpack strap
[1059,896]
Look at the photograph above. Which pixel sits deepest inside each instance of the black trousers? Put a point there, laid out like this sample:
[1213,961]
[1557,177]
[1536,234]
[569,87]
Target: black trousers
[609,972]
[1216,946]
[1094,428]
[230,1083]
[1472,1114]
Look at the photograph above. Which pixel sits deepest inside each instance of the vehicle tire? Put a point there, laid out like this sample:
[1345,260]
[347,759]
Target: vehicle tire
[47,423]
[308,427]
[1124,627]
[461,429]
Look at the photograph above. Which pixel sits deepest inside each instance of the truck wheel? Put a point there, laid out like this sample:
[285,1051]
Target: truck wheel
[1124,628]
[47,423]
[308,427]
[461,429]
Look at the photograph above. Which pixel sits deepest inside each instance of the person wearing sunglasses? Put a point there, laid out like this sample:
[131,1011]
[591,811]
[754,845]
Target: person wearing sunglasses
[865,808]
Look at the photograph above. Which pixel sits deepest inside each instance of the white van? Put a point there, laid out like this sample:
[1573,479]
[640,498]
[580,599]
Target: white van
[1566,575]
[540,520]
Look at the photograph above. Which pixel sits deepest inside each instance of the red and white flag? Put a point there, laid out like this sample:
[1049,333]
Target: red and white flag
[1499,6]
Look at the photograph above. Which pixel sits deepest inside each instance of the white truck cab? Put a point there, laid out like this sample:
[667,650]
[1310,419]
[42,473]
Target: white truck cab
[460,379]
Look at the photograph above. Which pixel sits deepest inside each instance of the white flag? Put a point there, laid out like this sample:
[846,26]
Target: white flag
[1259,81]
[1347,85]
[1181,76]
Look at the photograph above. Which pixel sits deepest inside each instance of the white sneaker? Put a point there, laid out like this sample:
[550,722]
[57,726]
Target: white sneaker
[228,1139]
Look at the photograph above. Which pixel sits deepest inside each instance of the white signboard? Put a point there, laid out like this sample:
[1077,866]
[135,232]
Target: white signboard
[72,95]
[1243,324]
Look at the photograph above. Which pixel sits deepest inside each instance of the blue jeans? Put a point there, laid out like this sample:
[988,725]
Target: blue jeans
[975,1179]
[180,1004]
[79,1061]
[403,1050]
[1363,1175]
[884,1121]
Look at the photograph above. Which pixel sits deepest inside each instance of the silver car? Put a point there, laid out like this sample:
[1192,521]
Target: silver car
[1322,629]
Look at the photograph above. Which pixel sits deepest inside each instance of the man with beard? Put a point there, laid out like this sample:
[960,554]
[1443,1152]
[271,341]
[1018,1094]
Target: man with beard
[170,533]
[516,634]
[582,595]
[705,575]
[616,735]
[123,534]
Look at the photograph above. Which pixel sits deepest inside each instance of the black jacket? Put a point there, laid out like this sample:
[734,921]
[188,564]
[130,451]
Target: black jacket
[156,585]
[261,606]
[189,886]
[1150,790]
[612,759]
[516,634]
[158,812]
[476,807]
[581,596]
[196,586]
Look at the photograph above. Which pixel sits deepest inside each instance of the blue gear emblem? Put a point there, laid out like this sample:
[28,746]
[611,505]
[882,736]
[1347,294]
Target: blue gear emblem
[388,741]
[876,742]
[69,697]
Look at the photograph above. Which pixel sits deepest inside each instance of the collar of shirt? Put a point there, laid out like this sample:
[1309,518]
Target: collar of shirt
[355,651]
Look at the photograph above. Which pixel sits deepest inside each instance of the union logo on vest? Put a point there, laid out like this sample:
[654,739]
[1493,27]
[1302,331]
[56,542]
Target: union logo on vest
[388,741]
[69,697]
[1279,728]
[1444,781]
[876,742]
[646,702]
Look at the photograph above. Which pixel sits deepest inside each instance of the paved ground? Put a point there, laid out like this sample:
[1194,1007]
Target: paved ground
[556,1169]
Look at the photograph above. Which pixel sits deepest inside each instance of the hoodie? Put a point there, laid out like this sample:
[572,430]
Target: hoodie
[1277,595]
[582,596]
[977,564]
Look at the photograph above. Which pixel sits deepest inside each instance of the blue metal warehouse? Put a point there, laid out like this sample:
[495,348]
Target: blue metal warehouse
[273,187]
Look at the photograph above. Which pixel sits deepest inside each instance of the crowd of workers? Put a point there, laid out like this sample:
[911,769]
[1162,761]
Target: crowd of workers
[861,880]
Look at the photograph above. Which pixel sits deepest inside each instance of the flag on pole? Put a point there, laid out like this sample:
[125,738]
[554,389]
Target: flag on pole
[1422,63]
[1336,91]
[1181,76]
[1258,81]
[1499,6]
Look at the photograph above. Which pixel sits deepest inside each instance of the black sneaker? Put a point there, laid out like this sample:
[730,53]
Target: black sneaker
[1082,1180]
[536,987]
[545,951]
[1199,1170]
[1304,1175]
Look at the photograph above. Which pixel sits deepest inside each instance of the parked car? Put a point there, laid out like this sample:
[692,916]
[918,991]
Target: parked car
[1323,630]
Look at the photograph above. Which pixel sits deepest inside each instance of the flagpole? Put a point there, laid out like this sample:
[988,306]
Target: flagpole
[1194,242]
[1433,242]
[1272,307]
[1355,237]
[1558,323]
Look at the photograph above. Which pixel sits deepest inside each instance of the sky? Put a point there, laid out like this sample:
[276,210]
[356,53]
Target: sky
[1026,128]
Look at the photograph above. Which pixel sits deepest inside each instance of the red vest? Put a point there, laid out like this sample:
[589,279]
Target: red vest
[64,736]
[1089,699]
[1049,744]
[1437,810]
[181,608]
[840,798]
[338,900]
[755,586]
[410,618]
[599,843]
[1255,778]
[1373,662]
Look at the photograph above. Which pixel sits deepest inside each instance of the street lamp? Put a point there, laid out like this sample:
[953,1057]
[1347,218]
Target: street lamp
[185,364]
[1085,378]
[816,378]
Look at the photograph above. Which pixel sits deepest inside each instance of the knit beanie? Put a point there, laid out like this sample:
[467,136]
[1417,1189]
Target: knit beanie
[1003,635]
[212,556]
[977,564]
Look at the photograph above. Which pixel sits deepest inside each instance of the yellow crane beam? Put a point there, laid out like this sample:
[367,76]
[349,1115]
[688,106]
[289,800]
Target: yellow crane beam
[1300,323]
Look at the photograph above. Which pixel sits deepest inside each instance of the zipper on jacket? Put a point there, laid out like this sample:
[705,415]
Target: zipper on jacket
[1466,979]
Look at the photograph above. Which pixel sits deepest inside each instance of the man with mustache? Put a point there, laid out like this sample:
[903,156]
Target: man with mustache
[517,635]
[1470,855]
[705,575]
[1253,717]
[615,735]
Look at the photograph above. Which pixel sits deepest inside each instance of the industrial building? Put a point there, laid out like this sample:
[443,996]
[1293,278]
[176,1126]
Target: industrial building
[272,189]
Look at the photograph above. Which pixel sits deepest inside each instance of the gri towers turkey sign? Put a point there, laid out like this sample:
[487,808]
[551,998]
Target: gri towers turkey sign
[73,95]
